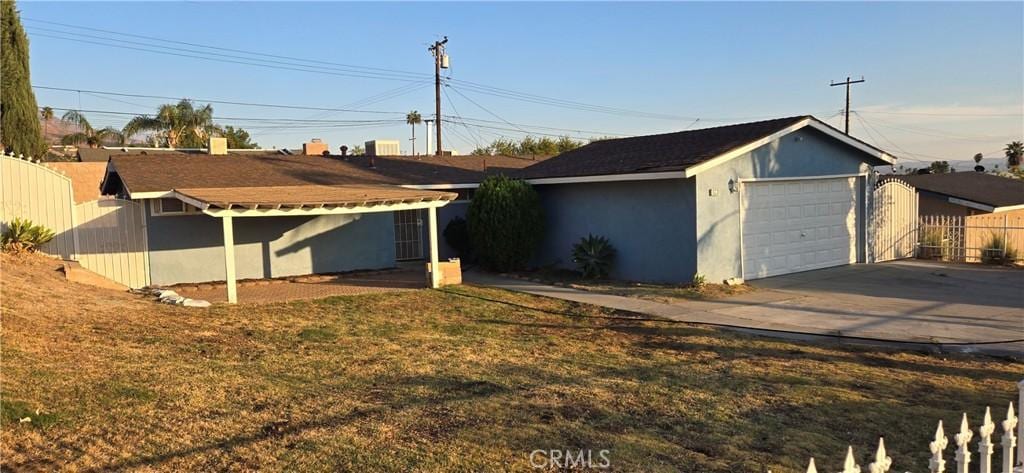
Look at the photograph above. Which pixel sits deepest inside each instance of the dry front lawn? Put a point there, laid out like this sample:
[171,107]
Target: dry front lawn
[463,379]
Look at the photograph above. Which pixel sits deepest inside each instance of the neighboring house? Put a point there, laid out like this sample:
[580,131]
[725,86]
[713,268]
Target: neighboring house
[302,214]
[746,201]
[103,154]
[741,201]
[964,194]
[85,178]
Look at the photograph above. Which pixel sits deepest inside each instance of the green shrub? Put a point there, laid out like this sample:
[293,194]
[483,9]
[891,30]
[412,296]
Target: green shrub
[998,251]
[456,234]
[506,223]
[932,244]
[593,256]
[699,281]
[23,235]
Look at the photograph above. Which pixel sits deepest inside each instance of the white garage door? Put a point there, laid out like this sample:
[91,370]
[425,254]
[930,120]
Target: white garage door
[791,226]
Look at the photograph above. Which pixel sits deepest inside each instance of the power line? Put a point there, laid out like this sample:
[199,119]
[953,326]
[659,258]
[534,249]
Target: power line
[254,53]
[310,69]
[340,69]
[218,101]
[271,120]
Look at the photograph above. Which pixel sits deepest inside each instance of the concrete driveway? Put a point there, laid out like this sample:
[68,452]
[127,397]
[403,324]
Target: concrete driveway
[960,307]
[906,300]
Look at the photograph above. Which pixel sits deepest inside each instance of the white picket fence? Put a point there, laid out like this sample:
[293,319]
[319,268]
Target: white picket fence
[106,236]
[962,455]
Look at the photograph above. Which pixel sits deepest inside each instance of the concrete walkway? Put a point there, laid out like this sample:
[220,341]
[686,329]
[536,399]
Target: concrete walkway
[907,303]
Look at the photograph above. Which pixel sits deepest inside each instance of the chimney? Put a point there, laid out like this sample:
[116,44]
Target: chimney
[218,146]
[315,147]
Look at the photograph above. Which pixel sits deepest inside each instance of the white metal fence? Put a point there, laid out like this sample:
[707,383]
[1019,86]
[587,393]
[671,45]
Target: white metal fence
[894,221]
[962,458]
[989,238]
[107,236]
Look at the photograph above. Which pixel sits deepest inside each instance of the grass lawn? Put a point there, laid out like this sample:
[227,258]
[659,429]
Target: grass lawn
[462,379]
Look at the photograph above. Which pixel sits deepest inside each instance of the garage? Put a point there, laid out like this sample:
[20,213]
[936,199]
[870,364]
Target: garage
[788,226]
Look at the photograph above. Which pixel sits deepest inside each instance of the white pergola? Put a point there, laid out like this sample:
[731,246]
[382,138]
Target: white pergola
[311,200]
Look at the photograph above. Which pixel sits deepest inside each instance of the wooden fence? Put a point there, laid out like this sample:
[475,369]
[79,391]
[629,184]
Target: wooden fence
[962,455]
[37,193]
[112,240]
[989,238]
[106,236]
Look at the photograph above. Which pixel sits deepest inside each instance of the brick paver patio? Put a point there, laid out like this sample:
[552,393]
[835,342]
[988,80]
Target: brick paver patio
[308,287]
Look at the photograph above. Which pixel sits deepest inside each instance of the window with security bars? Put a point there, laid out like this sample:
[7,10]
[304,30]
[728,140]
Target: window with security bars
[408,235]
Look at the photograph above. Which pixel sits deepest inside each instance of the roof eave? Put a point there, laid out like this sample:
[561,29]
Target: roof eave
[877,156]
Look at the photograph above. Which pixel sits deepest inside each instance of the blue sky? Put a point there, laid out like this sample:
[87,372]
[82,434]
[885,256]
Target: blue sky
[944,80]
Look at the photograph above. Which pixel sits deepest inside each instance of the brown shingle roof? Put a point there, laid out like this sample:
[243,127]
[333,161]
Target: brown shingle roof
[654,153]
[310,196]
[162,173]
[988,189]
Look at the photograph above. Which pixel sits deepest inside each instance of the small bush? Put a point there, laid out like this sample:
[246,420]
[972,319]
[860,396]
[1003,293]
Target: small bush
[22,235]
[593,256]
[932,244]
[456,234]
[998,251]
[699,281]
[505,222]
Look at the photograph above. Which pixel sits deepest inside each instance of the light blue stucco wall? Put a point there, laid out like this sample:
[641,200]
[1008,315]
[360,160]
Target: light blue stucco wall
[190,248]
[650,223]
[444,216]
[804,153]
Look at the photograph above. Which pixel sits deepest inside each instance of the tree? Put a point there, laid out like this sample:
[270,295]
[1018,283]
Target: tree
[506,223]
[977,163]
[358,150]
[939,167]
[87,134]
[46,114]
[19,115]
[179,125]
[1014,153]
[413,118]
[529,146]
[238,138]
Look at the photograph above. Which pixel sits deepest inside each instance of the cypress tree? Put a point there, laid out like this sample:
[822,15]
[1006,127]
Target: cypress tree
[19,115]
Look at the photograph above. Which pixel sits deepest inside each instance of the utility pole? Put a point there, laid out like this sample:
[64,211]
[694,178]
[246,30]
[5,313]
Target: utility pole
[848,83]
[440,61]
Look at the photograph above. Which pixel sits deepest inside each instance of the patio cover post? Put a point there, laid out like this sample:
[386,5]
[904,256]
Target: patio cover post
[435,269]
[229,259]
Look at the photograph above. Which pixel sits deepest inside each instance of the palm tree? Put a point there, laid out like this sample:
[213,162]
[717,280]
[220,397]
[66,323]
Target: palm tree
[86,133]
[177,125]
[46,114]
[977,163]
[1014,153]
[413,118]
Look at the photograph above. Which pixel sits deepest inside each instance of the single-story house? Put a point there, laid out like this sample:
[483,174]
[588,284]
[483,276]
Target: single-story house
[275,215]
[965,194]
[741,201]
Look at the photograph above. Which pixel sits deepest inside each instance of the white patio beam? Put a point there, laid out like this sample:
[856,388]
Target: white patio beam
[229,260]
[435,269]
[317,210]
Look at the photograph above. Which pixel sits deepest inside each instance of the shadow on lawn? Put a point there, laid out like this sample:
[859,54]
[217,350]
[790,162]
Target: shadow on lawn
[447,389]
